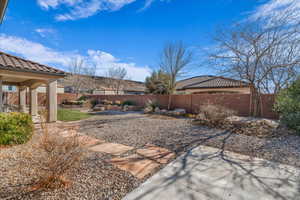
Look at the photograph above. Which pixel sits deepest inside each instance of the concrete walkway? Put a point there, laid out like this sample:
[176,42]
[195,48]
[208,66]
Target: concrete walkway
[207,173]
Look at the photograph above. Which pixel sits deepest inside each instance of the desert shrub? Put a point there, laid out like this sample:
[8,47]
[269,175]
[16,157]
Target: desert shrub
[118,102]
[94,102]
[53,157]
[128,103]
[15,128]
[83,98]
[288,106]
[152,104]
[214,114]
[77,103]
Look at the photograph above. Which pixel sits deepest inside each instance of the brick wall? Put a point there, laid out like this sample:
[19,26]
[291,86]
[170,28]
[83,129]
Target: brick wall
[192,102]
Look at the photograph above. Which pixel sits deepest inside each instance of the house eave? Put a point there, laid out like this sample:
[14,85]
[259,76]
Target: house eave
[3,6]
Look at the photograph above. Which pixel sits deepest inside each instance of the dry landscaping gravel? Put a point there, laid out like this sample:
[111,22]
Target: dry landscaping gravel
[98,179]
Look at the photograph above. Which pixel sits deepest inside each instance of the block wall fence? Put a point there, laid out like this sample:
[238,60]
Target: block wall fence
[191,103]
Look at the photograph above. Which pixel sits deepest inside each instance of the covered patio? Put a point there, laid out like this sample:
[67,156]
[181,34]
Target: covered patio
[27,76]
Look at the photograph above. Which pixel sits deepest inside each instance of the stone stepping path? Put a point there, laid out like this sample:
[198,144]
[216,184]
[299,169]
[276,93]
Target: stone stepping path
[137,165]
[140,164]
[158,154]
[112,148]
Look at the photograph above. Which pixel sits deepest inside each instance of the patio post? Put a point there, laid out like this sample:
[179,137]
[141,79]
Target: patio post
[22,98]
[33,101]
[1,96]
[52,101]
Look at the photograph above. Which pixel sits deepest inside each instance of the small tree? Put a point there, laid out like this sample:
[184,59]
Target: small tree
[288,106]
[267,57]
[157,83]
[174,59]
[116,78]
[81,76]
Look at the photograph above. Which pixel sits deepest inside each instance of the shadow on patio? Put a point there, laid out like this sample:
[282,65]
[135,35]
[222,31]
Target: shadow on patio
[210,173]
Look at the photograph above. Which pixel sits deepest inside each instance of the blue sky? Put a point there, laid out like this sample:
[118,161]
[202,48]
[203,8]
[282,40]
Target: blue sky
[126,33]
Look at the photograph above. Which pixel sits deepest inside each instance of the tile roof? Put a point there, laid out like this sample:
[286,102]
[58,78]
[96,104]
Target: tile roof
[14,63]
[209,82]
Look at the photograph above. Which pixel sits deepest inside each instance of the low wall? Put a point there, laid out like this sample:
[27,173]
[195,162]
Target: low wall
[192,102]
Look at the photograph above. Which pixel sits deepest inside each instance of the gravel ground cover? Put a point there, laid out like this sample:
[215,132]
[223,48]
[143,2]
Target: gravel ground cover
[98,179]
[179,135]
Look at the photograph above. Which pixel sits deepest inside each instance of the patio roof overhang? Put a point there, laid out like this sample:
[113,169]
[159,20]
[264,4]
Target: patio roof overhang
[27,74]
[3,6]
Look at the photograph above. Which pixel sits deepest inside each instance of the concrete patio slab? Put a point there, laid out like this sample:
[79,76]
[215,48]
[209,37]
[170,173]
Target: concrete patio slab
[136,165]
[212,174]
[158,154]
[111,148]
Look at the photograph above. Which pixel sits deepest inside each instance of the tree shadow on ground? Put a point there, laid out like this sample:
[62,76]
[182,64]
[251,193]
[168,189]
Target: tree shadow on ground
[209,173]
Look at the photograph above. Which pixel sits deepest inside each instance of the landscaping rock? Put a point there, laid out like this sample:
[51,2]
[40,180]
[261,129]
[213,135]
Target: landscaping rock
[252,126]
[177,112]
[99,108]
[148,110]
[157,110]
[163,111]
[118,102]
[113,107]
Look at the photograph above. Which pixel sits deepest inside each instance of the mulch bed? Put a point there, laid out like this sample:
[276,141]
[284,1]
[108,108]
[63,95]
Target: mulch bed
[98,179]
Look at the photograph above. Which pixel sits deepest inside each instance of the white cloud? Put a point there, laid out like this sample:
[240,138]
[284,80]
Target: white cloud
[78,9]
[104,61]
[33,51]
[43,32]
[39,53]
[47,4]
[82,9]
[274,10]
[148,3]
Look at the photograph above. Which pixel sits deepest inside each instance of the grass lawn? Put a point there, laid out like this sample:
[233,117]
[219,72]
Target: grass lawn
[67,115]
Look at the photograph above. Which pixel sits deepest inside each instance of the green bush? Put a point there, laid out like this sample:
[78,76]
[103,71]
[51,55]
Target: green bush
[288,106]
[94,102]
[83,98]
[128,103]
[15,128]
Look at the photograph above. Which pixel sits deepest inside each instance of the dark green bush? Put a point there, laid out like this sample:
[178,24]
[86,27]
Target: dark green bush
[15,128]
[128,103]
[288,106]
[83,98]
[94,102]
[76,103]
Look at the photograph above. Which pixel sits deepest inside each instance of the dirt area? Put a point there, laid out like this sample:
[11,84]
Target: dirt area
[99,179]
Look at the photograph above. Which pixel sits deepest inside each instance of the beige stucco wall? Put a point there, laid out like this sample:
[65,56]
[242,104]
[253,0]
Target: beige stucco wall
[42,89]
[240,90]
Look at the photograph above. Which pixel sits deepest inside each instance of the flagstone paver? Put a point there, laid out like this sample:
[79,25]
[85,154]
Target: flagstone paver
[89,141]
[111,148]
[157,154]
[137,165]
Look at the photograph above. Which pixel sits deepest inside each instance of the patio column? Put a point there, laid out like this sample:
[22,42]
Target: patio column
[1,96]
[22,98]
[33,101]
[52,101]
